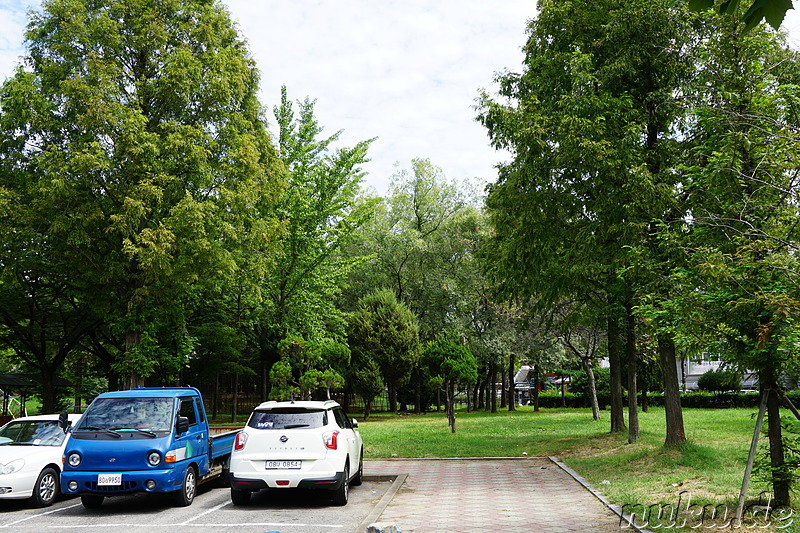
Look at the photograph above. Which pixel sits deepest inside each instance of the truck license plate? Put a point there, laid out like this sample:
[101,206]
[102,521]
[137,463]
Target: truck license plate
[109,479]
[283,465]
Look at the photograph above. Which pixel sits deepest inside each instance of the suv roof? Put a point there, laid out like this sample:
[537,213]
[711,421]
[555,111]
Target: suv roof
[327,404]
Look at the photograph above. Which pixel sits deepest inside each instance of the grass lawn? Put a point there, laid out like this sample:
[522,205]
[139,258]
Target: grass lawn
[709,468]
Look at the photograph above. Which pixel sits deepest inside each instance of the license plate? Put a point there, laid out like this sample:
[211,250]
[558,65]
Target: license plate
[271,465]
[105,480]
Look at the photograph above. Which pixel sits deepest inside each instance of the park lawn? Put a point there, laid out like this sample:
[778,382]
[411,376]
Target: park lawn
[709,468]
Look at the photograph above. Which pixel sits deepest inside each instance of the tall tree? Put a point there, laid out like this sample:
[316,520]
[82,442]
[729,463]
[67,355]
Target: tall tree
[589,125]
[137,141]
[320,213]
[742,183]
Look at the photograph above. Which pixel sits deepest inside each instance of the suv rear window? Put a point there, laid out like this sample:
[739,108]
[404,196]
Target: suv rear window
[288,418]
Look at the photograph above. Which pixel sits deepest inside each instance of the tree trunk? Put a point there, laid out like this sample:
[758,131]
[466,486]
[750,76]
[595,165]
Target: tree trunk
[367,408]
[780,474]
[235,398]
[587,366]
[536,381]
[672,394]
[617,416]
[630,349]
[134,379]
[492,385]
[392,397]
[511,400]
[48,390]
[417,390]
[451,409]
[503,390]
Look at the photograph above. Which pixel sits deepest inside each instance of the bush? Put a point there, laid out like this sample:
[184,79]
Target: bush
[720,381]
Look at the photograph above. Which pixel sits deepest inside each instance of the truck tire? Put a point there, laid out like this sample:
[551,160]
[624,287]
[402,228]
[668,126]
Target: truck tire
[240,497]
[184,496]
[46,488]
[92,501]
[340,495]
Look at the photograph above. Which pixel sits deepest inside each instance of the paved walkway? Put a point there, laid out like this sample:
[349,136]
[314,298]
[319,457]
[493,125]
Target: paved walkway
[526,495]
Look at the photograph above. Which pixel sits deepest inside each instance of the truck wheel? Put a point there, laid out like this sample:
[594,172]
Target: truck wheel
[240,497]
[92,501]
[359,477]
[185,495]
[340,495]
[46,488]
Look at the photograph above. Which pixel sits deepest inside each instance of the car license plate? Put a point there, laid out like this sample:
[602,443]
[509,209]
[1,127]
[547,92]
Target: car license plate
[271,465]
[104,480]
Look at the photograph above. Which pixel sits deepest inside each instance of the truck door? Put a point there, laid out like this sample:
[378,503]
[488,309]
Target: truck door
[196,438]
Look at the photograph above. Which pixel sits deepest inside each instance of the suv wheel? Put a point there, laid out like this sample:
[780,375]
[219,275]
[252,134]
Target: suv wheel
[340,495]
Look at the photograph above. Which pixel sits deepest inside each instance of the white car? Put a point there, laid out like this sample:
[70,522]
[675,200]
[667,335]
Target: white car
[310,445]
[31,449]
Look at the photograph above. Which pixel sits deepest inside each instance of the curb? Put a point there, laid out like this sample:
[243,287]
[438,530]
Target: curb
[397,482]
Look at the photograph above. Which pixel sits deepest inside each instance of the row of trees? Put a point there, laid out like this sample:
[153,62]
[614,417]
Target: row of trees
[653,190]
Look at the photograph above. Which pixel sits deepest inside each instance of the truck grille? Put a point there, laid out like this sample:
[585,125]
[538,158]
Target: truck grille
[127,486]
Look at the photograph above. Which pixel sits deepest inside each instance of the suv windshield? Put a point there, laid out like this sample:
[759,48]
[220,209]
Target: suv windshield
[33,433]
[132,414]
[288,418]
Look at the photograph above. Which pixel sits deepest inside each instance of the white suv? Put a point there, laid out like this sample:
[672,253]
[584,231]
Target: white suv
[311,445]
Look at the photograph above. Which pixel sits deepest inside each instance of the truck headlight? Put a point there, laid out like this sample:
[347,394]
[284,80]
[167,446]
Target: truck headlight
[13,466]
[154,458]
[74,459]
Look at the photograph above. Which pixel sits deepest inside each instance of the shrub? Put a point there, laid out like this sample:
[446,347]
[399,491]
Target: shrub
[720,381]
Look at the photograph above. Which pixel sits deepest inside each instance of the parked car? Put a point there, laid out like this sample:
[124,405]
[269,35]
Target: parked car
[311,445]
[31,448]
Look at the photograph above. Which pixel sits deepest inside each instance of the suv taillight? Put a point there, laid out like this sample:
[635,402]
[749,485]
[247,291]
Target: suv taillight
[241,440]
[330,438]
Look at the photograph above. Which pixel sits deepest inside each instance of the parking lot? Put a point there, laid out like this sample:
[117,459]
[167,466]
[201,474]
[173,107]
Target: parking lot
[268,511]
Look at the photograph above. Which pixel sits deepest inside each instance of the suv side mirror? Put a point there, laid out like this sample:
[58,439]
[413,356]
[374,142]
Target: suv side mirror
[182,426]
[354,422]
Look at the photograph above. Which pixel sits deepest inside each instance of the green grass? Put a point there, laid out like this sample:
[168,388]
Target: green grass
[709,467]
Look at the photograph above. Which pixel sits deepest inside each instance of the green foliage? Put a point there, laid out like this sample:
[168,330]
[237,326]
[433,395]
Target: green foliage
[720,380]
[771,11]
[386,332]
[280,375]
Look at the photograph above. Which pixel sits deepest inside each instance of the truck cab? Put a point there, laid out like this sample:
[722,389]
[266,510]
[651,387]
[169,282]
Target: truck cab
[143,440]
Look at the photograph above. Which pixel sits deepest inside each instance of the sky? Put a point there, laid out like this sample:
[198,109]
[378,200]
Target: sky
[406,72]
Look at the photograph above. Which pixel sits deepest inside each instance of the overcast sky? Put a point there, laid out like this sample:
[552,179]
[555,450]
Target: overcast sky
[404,71]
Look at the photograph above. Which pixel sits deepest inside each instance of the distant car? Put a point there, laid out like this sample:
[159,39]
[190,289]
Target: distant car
[31,449]
[309,445]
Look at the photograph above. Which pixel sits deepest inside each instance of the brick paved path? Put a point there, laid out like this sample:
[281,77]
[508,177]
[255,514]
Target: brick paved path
[490,495]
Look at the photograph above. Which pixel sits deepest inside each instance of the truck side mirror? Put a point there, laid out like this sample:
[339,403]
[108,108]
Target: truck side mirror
[354,422]
[63,421]
[183,425]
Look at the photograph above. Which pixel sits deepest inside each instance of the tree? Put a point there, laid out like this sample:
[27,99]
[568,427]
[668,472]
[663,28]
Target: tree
[388,332]
[320,213]
[133,135]
[741,183]
[451,362]
[589,122]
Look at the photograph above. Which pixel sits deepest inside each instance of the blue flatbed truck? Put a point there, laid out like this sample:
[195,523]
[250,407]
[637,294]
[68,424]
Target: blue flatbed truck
[153,440]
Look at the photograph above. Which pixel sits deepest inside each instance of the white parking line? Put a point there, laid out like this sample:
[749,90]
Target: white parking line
[207,511]
[38,515]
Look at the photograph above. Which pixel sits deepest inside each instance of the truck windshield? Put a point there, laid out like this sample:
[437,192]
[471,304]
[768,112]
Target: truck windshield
[288,418]
[132,414]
